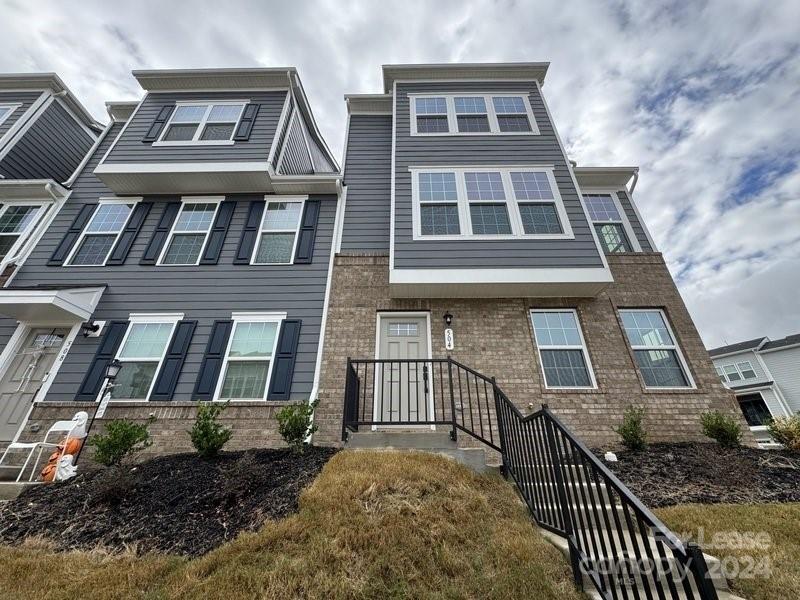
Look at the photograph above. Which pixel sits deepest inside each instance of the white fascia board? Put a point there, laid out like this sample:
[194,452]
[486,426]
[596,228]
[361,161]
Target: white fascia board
[50,306]
[31,189]
[605,177]
[172,80]
[464,72]
[196,167]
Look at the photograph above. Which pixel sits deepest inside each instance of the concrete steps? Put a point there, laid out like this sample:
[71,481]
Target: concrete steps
[10,489]
[435,442]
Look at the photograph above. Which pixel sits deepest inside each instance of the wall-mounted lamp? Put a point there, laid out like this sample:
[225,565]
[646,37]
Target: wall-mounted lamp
[448,318]
[89,327]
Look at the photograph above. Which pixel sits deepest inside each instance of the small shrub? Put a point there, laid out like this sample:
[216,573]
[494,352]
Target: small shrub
[632,432]
[723,428]
[208,435]
[122,439]
[786,431]
[294,424]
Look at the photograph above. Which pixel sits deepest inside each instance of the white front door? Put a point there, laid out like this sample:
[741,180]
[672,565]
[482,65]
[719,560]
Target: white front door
[404,394]
[29,368]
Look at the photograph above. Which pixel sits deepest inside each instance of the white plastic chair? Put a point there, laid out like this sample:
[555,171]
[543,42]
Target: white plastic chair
[74,428]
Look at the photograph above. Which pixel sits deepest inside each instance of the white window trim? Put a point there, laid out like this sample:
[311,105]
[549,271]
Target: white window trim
[250,317]
[101,201]
[583,348]
[624,221]
[11,105]
[144,318]
[184,202]
[196,141]
[511,201]
[24,235]
[261,230]
[452,121]
[739,370]
[675,346]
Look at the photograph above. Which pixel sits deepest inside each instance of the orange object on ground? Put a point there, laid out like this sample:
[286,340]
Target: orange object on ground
[68,446]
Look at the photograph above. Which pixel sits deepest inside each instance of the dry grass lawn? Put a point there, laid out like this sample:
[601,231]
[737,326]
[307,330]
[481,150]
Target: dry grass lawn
[781,556]
[373,525]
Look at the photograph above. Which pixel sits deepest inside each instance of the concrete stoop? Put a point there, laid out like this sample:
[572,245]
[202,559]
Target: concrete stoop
[434,442]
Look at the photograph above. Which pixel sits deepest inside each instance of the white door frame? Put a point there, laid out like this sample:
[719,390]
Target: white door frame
[395,314]
[14,345]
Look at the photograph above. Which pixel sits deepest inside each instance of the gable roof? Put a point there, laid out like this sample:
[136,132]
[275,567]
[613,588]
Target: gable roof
[789,340]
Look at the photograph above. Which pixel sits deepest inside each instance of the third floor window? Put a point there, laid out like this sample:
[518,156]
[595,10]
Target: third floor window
[202,123]
[472,114]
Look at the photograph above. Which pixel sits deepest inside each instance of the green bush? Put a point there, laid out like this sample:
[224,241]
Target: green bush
[294,424]
[723,428]
[632,432]
[786,431]
[122,439]
[208,435]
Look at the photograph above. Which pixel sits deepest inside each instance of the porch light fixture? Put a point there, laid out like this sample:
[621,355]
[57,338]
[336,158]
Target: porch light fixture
[89,327]
[112,370]
[448,318]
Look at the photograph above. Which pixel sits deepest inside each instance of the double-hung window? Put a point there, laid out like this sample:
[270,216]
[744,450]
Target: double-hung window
[100,234]
[487,202]
[609,223]
[733,373]
[16,223]
[472,114]
[562,349]
[278,236]
[203,123]
[190,232]
[141,353]
[6,110]
[660,360]
[248,359]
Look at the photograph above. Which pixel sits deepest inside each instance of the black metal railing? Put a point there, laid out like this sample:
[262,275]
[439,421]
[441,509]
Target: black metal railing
[623,548]
[409,392]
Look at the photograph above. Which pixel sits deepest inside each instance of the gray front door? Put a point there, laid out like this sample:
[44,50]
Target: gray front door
[404,395]
[24,376]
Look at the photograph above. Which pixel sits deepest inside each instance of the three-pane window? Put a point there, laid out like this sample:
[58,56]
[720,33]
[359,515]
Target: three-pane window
[248,358]
[475,114]
[203,123]
[488,202]
[736,372]
[278,233]
[141,354]
[562,349]
[100,234]
[16,223]
[657,354]
[189,233]
[608,223]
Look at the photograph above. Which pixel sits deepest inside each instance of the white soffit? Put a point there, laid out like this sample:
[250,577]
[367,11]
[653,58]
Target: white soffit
[610,177]
[163,80]
[523,71]
[42,306]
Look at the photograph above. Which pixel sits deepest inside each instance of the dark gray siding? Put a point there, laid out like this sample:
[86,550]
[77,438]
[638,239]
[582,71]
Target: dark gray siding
[203,293]
[495,150]
[636,225]
[367,176]
[24,98]
[131,149]
[296,159]
[52,148]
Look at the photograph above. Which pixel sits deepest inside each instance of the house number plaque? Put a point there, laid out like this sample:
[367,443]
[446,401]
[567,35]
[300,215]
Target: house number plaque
[448,339]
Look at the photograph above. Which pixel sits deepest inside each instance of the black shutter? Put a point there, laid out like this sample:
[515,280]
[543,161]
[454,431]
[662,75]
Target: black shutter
[68,241]
[246,123]
[153,249]
[158,124]
[212,361]
[218,232]
[308,233]
[250,232]
[173,361]
[106,351]
[128,235]
[283,369]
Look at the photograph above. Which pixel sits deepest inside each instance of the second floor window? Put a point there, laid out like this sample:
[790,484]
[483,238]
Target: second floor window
[473,114]
[608,223]
[189,233]
[734,373]
[16,223]
[202,123]
[101,233]
[279,225]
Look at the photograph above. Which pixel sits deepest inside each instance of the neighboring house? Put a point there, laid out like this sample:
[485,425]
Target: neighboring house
[765,376]
[194,247]
[468,233]
[45,133]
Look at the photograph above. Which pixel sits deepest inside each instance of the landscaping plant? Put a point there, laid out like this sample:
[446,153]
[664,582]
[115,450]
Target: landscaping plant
[786,431]
[632,432]
[295,425]
[122,439]
[208,435]
[723,428]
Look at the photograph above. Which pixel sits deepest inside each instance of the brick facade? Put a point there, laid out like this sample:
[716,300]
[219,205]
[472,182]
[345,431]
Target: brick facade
[494,337]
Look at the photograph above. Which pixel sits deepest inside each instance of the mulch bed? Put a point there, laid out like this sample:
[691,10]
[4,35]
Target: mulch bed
[177,504]
[705,473]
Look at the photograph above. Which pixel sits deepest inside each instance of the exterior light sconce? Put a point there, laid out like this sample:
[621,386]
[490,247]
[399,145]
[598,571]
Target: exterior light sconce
[89,327]
[448,319]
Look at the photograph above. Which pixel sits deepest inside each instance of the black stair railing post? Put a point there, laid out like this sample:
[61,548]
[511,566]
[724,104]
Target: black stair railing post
[699,569]
[347,398]
[500,419]
[454,430]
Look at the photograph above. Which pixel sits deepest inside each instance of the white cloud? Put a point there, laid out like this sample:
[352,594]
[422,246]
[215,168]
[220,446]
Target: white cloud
[698,95]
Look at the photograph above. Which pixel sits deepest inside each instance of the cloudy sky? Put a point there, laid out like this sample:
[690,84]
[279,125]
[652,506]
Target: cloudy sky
[705,98]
